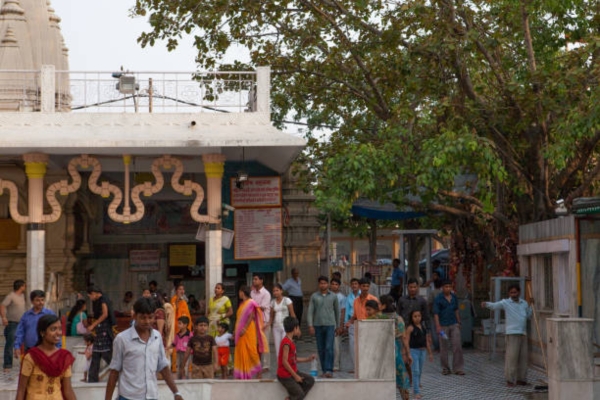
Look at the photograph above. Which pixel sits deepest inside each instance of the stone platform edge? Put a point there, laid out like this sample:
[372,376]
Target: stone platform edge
[331,389]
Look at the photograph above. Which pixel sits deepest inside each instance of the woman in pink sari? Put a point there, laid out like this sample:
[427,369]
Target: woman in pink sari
[250,339]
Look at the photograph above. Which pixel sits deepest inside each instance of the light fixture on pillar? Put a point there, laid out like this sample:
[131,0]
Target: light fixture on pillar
[241,176]
[226,210]
[560,209]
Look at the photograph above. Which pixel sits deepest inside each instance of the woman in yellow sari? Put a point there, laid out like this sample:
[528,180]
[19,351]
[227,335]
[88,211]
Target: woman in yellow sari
[250,340]
[219,309]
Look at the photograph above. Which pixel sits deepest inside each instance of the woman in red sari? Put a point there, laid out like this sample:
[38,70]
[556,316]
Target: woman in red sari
[46,370]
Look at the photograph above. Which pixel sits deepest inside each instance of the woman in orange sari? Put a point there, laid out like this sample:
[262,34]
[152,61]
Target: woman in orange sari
[181,309]
[250,340]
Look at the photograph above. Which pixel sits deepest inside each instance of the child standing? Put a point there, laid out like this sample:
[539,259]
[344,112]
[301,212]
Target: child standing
[204,349]
[419,342]
[222,341]
[180,343]
[296,383]
[88,338]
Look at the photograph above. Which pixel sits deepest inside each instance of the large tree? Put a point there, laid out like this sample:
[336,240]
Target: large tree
[416,95]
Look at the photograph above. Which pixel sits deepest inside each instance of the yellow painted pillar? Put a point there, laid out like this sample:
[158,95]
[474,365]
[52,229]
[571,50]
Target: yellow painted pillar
[35,168]
[214,167]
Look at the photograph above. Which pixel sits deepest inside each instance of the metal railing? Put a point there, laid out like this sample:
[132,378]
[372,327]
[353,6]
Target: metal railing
[98,91]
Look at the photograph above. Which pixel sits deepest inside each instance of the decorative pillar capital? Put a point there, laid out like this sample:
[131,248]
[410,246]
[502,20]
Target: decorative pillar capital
[35,164]
[214,165]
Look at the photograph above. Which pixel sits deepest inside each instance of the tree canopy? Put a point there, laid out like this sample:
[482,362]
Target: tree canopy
[402,99]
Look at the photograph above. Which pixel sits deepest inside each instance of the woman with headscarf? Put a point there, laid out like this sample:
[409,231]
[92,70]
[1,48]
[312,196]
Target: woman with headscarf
[219,309]
[46,369]
[250,340]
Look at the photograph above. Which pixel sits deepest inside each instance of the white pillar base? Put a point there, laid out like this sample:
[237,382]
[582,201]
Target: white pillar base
[214,261]
[36,250]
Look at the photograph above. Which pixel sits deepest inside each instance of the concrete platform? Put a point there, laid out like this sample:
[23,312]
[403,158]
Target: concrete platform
[484,379]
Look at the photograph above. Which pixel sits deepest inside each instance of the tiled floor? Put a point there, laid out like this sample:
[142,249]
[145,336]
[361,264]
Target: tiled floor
[484,378]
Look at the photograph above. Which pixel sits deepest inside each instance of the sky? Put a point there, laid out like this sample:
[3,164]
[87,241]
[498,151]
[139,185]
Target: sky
[101,36]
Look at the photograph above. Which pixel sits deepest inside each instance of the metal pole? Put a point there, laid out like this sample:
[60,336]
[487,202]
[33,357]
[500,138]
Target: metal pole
[150,94]
[325,267]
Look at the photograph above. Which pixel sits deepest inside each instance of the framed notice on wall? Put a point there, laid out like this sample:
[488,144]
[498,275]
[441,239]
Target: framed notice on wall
[186,260]
[258,233]
[144,260]
[258,191]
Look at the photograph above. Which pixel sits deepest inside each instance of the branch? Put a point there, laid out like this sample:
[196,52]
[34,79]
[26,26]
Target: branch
[587,182]
[383,106]
[577,163]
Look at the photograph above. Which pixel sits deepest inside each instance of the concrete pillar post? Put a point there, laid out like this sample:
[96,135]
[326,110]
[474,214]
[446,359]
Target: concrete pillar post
[373,339]
[35,168]
[570,359]
[213,168]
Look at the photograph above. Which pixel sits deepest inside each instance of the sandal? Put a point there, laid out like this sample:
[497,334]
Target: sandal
[459,373]
[446,372]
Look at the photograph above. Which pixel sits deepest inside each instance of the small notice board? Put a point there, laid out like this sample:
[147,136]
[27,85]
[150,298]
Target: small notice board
[260,191]
[258,233]
[144,260]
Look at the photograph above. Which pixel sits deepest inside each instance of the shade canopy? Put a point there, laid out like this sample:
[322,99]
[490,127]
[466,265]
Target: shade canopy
[387,211]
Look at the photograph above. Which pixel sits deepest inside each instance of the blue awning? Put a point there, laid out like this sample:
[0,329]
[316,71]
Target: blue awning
[386,211]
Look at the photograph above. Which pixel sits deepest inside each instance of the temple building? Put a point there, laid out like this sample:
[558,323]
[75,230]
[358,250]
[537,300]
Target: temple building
[123,177]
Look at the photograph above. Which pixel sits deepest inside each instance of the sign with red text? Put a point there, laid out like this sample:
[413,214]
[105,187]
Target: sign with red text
[258,233]
[144,260]
[259,191]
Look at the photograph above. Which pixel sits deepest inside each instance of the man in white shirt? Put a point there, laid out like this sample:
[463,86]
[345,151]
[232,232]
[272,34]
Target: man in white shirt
[138,354]
[263,298]
[517,312]
[293,287]
[12,309]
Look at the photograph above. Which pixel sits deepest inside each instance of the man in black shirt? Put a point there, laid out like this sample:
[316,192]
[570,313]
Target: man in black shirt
[412,301]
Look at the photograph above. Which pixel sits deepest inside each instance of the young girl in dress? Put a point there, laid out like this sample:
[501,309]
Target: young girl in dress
[419,342]
[46,370]
[88,338]
[223,341]
[281,307]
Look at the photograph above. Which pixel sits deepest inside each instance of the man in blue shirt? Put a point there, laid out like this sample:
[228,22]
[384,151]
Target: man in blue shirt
[138,354]
[347,313]
[397,280]
[447,325]
[27,329]
[517,312]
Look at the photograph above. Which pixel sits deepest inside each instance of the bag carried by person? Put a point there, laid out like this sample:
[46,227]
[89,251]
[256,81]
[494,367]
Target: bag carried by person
[80,327]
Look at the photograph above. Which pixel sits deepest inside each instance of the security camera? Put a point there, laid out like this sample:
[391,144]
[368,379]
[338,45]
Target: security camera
[228,207]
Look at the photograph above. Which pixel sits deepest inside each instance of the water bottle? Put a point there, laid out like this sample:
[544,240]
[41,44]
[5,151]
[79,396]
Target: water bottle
[313,368]
[443,335]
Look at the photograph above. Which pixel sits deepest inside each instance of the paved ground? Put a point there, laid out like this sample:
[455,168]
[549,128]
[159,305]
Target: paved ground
[484,379]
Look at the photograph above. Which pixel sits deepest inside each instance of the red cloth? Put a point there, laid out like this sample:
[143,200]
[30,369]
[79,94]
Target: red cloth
[223,353]
[53,365]
[281,371]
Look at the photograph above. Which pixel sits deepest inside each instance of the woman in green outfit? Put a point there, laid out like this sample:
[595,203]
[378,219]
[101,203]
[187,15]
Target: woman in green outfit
[402,354]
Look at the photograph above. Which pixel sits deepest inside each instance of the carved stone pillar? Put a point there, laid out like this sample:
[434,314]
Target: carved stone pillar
[213,168]
[301,232]
[35,168]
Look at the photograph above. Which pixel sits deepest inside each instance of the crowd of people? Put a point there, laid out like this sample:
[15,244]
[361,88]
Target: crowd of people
[166,339]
